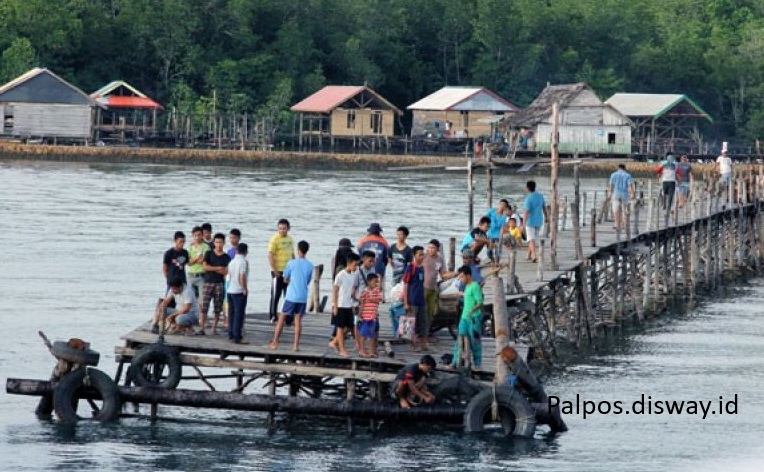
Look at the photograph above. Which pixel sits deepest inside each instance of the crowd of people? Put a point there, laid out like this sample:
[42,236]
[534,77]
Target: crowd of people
[208,273]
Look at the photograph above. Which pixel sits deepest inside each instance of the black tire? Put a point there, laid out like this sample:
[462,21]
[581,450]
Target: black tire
[90,383]
[454,389]
[157,366]
[61,350]
[517,416]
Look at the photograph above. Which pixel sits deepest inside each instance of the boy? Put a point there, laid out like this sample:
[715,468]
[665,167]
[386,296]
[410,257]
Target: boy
[367,268]
[216,269]
[297,274]
[234,236]
[186,312]
[470,323]
[413,298]
[514,236]
[410,382]
[400,254]
[280,251]
[369,313]
[343,297]
[477,238]
[196,252]
[238,290]
[175,259]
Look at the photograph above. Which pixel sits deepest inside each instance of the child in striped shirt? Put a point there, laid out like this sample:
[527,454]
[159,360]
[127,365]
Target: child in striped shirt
[370,299]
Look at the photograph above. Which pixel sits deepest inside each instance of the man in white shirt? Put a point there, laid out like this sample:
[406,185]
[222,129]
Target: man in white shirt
[724,164]
[185,315]
[238,271]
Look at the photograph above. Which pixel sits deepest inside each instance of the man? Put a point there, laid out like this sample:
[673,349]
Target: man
[471,320]
[216,269]
[400,254]
[499,217]
[410,381]
[297,273]
[623,191]
[207,235]
[234,237]
[344,248]
[175,260]
[414,300]
[724,166]
[534,214]
[280,251]
[667,173]
[196,252]
[683,179]
[375,243]
[434,267]
[184,316]
[477,238]
[238,271]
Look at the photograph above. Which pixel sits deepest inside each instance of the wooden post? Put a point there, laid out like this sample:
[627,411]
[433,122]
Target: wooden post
[489,183]
[564,212]
[470,193]
[501,327]
[315,294]
[350,396]
[451,254]
[583,204]
[511,264]
[576,232]
[575,212]
[593,228]
[540,264]
[555,214]
[648,276]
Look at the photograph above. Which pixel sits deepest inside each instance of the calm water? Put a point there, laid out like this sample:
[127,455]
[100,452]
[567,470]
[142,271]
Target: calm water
[83,256]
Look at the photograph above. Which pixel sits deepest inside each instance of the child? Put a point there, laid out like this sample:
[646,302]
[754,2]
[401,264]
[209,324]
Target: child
[515,236]
[343,296]
[369,326]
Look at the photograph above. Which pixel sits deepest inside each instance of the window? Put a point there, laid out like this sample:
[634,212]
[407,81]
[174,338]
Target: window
[351,119]
[8,120]
[376,122]
[611,138]
[465,119]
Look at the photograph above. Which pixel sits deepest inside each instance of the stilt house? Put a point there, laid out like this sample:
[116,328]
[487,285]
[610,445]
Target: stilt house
[459,112]
[345,111]
[41,105]
[662,122]
[586,124]
[128,113]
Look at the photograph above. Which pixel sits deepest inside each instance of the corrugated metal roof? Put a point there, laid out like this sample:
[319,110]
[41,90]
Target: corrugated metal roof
[120,94]
[40,85]
[650,104]
[332,96]
[449,98]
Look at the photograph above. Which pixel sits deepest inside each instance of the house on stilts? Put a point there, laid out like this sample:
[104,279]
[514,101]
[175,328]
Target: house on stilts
[127,114]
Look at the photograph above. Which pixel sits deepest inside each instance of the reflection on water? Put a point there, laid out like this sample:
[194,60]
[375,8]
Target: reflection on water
[83,258]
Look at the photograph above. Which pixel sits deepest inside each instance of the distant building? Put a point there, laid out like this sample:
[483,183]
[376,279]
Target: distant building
[459,112]
[662,122]
[41,105]
[586,124]
[345,111]
[127,112]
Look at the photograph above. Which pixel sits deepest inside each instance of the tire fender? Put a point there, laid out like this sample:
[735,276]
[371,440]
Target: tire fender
[67,393]
[156,354]
[61,350]
[516,414]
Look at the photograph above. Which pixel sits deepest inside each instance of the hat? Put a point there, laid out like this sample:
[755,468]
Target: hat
[345,242]
[374,228]
[467,252]
[435,243]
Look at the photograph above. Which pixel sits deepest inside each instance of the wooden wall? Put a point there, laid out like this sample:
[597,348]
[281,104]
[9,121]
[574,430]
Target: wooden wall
[586,139]
[363,123]
[423,119]
[49,120]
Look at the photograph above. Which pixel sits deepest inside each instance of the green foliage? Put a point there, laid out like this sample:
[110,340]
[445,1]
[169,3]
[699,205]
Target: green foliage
[263,55]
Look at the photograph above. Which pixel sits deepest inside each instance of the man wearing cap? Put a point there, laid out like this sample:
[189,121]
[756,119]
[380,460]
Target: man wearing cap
[375,243]
[434,266]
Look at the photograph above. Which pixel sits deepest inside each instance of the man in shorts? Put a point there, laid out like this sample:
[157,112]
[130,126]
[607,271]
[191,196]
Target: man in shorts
[409,383]
[724,165]
[215,270]
[622,190]
[297,274]
[534,214]
[280,251]
[683,179]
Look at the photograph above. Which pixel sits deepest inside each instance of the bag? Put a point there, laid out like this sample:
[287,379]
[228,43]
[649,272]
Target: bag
[396,292]
[406,328]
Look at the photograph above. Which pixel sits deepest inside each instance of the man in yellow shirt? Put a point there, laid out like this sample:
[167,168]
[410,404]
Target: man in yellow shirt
[280,251]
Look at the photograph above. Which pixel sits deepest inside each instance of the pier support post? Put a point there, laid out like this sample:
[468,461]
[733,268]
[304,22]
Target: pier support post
[593,229]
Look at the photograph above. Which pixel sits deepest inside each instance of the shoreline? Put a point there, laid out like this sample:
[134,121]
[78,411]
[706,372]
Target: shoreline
[589,167]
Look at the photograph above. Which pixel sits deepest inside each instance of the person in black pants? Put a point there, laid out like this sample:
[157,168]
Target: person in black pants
[280,251]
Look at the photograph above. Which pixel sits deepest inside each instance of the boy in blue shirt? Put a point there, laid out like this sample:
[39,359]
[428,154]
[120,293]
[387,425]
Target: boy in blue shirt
[534,214]
[297,274]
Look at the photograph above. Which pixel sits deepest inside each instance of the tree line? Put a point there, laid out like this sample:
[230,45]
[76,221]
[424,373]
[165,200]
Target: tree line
[261,56]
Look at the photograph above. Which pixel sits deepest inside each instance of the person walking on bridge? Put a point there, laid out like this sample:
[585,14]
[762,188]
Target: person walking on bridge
[622,191]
